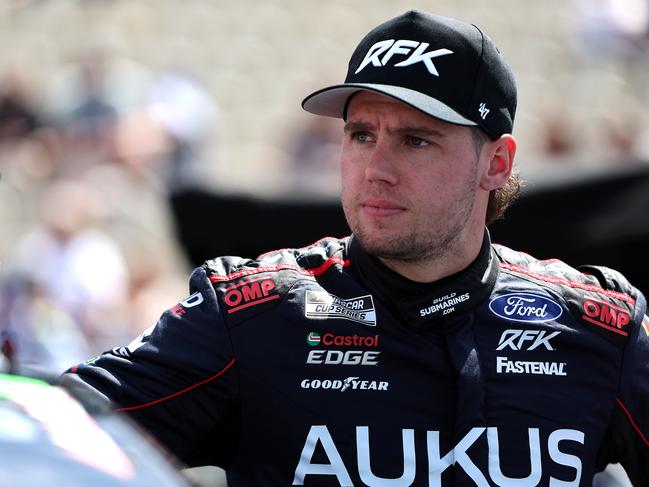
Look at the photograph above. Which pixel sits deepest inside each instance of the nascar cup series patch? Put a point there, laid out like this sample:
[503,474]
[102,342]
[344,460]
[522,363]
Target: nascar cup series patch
[321,305]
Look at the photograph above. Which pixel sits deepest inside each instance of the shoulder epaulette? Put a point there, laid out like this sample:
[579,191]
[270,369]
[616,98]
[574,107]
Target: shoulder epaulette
[601,298]
[247,287]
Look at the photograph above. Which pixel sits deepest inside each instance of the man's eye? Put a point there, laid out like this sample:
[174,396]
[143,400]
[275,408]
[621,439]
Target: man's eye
[417,142]
[361,136]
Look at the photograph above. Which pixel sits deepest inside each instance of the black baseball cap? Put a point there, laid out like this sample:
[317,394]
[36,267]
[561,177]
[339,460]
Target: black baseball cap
[444,67]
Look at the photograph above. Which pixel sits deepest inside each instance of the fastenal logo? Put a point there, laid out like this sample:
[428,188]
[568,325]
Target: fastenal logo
[321,305]
[342,385]
[526,339]
[525,307]
[313,339]
[506,366]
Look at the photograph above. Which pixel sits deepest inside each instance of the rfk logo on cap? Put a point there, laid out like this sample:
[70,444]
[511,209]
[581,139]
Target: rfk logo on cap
[390,47]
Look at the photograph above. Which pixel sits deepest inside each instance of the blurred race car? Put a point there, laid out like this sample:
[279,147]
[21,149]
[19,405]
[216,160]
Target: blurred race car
[50,437]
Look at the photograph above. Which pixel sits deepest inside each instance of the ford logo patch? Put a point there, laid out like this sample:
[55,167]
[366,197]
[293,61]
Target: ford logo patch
[525,307]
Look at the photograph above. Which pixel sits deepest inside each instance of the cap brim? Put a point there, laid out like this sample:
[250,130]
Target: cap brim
[331,101]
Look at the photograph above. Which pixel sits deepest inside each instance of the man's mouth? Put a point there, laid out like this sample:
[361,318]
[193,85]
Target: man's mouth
[380,207]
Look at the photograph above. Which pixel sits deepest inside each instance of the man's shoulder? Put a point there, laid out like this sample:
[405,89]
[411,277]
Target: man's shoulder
[597,279]
[599,296]
[312,260]
[246,288]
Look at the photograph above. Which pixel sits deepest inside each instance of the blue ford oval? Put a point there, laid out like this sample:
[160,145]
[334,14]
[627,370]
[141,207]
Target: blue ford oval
[525,307]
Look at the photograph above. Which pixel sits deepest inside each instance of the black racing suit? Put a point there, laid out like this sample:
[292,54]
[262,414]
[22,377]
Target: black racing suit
[320,366]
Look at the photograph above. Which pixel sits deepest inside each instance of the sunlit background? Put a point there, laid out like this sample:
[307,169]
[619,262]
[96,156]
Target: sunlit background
[109,106]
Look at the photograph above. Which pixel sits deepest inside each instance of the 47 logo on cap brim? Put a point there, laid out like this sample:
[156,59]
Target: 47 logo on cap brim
[321,305]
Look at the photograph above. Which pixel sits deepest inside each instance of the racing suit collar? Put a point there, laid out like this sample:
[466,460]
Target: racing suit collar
[420,304]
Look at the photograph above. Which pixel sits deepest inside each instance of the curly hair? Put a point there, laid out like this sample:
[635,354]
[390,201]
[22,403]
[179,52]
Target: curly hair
[500,198]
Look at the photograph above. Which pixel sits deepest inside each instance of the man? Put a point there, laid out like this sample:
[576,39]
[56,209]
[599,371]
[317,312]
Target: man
[413,352]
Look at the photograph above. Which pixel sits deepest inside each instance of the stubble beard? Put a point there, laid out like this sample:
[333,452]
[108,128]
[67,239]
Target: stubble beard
[424,241]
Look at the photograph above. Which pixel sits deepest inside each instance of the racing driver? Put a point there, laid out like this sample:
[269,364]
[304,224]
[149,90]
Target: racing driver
[413,352]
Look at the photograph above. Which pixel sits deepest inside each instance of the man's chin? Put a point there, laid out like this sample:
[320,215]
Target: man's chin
[400,247]
[385,247]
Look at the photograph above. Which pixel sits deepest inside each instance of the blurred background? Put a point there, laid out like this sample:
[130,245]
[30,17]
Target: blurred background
[138,137]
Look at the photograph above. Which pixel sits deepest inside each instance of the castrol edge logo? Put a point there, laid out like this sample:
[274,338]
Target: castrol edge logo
[331,340]
[321,305]
[330,356]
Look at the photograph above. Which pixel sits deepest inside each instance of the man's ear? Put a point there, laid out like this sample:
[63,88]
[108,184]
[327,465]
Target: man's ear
[500,154]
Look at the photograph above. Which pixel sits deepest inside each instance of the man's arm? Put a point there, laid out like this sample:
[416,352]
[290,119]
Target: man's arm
[627,438]
[628,435]
[178,379]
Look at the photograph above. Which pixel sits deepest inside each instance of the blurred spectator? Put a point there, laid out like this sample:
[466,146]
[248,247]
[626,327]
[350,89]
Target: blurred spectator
[614,34]
[24,134]
[621,135]
[559,140]
[162,141]
[76,265]
[36,333]
[315,153]
[188,115]
[141,149]
[87,99]
[136,216]
[18,119]
[89,124]
[614,27]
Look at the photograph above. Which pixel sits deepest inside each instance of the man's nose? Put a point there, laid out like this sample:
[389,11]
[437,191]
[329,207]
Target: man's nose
[381,164]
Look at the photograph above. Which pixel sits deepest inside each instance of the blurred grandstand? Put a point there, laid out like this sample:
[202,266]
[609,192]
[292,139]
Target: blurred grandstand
[579,64]
[167,110]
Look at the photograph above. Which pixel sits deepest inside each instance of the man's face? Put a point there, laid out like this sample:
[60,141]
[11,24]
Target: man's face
[410,182]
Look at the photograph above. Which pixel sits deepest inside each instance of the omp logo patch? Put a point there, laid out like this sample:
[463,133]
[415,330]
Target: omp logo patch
[321,305]
[249,293]
[606,315]
[525,307]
